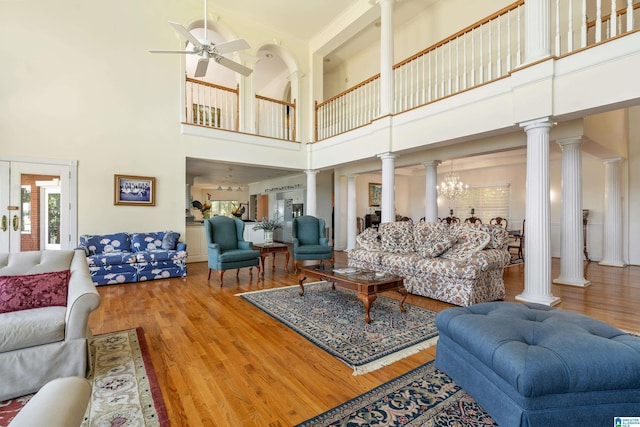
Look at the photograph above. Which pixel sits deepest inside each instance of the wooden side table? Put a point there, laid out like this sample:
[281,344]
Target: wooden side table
[272,248]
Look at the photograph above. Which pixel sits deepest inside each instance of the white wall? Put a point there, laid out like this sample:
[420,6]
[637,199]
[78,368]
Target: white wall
[79,84]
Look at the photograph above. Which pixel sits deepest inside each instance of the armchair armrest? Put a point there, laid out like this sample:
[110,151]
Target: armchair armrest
[82,298]
[324,241]
[488,259]
[83,248]
[181,246]
[296,242]
[242,244]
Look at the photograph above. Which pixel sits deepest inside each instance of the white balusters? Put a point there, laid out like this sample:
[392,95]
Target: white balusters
[629,15]
[598,21]
[613,31]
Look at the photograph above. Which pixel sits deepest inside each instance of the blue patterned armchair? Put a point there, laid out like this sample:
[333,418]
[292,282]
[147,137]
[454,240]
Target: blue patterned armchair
[226,246]
[309,242]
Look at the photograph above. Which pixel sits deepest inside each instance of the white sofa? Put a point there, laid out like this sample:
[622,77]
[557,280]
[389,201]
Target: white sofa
[461,264]
[46,408]
[40,344]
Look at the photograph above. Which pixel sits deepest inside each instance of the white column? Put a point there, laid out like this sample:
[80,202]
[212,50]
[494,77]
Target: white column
[537,244]
[431,193]
[388,207]
[571,238]
[311,192]
[386,57]
[352,226]
[247,98]
[537,30]
[612,214]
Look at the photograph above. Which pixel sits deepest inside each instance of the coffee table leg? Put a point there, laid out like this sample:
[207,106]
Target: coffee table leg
[403,292]
[367,300]
[300,280]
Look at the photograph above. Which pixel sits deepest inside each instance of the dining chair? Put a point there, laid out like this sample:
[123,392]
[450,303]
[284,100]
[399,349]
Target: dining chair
[473,220]
[502,222]
[516,242]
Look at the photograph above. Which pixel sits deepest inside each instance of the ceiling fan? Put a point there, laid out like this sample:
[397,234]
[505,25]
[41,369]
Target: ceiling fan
[208,50]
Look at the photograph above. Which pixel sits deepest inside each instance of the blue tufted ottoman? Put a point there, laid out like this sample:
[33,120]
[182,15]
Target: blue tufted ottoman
[532,365]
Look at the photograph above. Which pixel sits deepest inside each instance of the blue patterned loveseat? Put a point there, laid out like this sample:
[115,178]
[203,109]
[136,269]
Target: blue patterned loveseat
[134,257]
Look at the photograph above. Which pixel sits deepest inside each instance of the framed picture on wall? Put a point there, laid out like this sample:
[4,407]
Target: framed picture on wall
[134,190]
[375,194]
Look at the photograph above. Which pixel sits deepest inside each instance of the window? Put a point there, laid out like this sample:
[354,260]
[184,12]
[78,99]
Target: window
[487,203]
[223,207]
[25,196]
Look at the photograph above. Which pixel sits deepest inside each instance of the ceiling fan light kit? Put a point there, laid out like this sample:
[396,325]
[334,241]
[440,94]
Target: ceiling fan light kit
[208,50]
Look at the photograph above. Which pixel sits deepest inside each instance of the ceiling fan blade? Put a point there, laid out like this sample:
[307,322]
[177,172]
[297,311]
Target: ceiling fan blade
[188,52]
[231,46]
[238,68]
[186,34]
[201,67]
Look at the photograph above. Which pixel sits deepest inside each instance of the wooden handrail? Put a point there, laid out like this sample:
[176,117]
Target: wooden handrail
[619,12]
[213,85]
[351,89]
[264,98]
[454,36]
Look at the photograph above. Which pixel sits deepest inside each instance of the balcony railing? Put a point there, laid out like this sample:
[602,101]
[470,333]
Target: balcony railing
[211,105]
[208,104]
[276,119]
[485,51]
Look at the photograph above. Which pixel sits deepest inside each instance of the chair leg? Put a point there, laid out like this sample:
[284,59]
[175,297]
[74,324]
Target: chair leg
[258,268]
[220,274]
[237,273]
[209,276]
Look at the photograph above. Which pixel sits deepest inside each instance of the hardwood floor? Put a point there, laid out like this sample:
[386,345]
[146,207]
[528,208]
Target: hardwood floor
[222,362]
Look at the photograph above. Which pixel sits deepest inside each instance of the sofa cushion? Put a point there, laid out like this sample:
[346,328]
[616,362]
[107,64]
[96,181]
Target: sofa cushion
[159,255]
[431,239]
[402,265]
[170,240]
[106,243]
[146,241]
[397,237]
[29,328]
[34,291]
[114,258]
[469,241]
[369,239]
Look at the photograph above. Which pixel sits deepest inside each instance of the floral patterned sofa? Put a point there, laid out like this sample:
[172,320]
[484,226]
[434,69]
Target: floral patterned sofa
[461,264]
[134,257]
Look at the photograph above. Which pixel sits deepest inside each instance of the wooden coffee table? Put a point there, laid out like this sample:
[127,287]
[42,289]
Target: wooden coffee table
[272,248]
[367,283]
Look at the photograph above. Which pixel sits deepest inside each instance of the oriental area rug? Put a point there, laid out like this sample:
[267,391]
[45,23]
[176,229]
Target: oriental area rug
[124,387]
[334,321]
[424,397]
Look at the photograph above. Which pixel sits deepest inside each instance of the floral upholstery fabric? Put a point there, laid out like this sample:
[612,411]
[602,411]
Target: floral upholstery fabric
[431,239]
[474,275]
[499,237]
[106,243]
[397,237]
[469,241]
[365,259]
[369,239]
[144,257]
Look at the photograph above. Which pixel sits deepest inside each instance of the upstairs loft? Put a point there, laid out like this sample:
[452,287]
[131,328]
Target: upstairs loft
[478,83]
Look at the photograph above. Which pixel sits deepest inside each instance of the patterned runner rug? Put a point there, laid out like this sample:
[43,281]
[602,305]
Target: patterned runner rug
[424,397]
[125,391]
[334,321]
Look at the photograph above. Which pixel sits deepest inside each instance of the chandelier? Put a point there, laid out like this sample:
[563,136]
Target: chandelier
[452,188]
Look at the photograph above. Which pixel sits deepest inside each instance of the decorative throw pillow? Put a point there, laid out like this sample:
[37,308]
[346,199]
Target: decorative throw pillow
[441,243]
[369,239]
[34,291]
[397,237]
[469,242]
[432,238]
[170,240]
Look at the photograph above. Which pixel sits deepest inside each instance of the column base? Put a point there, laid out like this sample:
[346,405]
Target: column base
[547,300]
[581,282]
[612,263]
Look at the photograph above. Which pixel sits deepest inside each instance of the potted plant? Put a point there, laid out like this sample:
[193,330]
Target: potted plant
[269,226]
